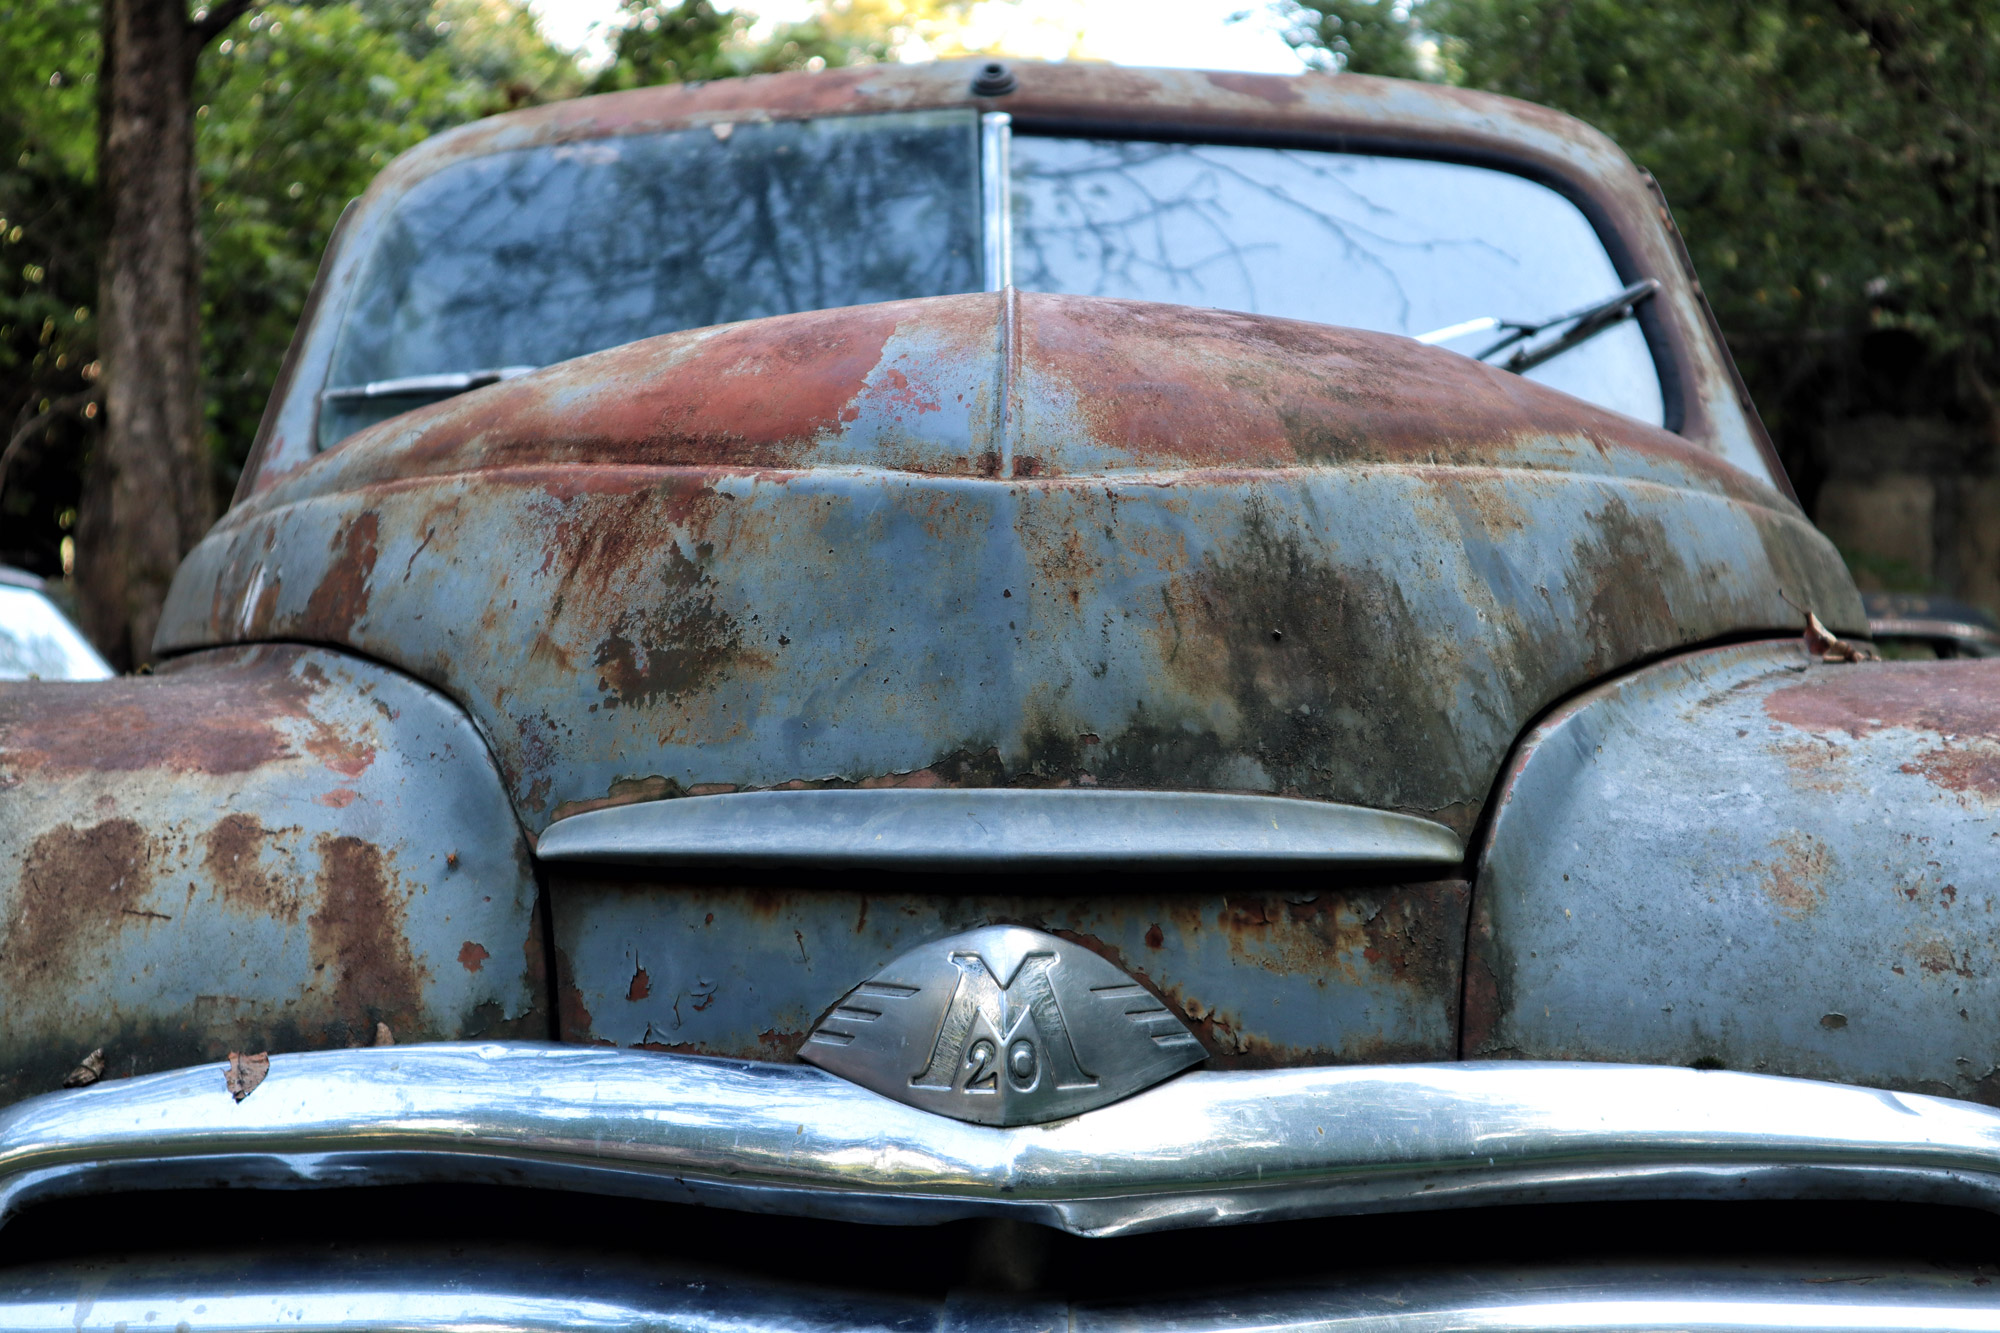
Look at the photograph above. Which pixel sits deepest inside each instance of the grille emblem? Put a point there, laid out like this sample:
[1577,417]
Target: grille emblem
[1002,1026]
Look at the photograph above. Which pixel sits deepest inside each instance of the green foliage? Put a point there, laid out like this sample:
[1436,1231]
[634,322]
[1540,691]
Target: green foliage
[48,256]
[693,40]
[1357,36]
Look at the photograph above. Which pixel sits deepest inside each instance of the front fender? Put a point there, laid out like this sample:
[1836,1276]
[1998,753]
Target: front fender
[259,849]
[1747,858]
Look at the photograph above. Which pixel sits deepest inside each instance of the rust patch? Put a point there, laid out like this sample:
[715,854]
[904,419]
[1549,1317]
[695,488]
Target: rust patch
[231,860]
[1962,768]
[1271,88]
[1179,386]
[77,884]
[573,1020]
[1814,765]
[641,987]
[216,721]
[1937,958]
[757,394]
[1956,699]
[341,597]
[1622,567]
[1482,1007]
[471,956]
[1795,880]
[358,939]
[348,756]
[671,649]
[625,791]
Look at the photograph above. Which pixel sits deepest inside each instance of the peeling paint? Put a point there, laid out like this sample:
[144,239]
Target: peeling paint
[174,886]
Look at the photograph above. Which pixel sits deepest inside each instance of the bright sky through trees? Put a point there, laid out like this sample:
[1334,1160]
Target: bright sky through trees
[1186,33]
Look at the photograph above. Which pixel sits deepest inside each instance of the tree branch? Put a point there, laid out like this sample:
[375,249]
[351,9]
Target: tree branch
[36,424]
[220,16]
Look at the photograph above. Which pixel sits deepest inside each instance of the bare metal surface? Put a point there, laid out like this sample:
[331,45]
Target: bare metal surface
[526,1290]
[261,849]
[1266,970]
[1201,1149]
[1227,553]
[995,829]
[1002,1026]
[1752,859]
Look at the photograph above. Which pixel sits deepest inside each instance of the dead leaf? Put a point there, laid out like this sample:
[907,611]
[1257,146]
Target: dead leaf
[245,1073]
[384,1037]
[88,1070]
[1827,646]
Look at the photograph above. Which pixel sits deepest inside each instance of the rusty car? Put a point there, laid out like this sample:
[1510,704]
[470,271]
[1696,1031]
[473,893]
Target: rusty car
[978,695]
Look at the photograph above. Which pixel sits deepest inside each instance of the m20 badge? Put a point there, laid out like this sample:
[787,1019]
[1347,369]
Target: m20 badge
[1002,1026]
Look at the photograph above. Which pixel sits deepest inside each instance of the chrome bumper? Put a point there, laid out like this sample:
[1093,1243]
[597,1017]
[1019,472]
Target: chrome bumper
[446,1295]
[1202,1149]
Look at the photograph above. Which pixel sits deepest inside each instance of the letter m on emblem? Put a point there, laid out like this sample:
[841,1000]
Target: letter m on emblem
[997,1031]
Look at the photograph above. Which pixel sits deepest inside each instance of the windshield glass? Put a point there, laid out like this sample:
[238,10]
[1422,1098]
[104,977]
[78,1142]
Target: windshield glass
[499,264]
[526,258]
[1399,245]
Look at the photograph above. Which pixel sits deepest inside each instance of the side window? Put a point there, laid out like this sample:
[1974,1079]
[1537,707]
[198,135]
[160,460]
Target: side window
[1397,245]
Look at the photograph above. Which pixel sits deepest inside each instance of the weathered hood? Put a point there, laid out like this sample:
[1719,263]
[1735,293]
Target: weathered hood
[992,539]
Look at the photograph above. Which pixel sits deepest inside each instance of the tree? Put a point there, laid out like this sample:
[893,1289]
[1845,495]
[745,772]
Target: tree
[146,500]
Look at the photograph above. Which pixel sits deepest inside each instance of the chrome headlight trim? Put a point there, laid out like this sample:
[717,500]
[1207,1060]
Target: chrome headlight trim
[1201,1149]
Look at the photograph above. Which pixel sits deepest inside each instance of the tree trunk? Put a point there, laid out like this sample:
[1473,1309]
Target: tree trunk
[148,493]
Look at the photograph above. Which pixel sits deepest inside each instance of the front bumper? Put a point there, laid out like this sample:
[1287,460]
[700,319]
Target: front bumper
[1202,1149]
[520,1293]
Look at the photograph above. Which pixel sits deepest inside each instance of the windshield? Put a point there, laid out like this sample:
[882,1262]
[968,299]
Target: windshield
[526,258]
[499,264]
[1399,245]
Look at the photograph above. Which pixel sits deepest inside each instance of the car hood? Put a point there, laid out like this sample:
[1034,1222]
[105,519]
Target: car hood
[1010,539]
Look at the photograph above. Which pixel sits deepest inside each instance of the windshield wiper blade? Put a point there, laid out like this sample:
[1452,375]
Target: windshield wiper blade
[414,386]
[1586,322]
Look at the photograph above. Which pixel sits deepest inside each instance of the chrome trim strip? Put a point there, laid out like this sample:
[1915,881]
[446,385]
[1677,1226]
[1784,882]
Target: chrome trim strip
[996,828]
[996,204]
[1201,1149]
[1932,627]
[530,1292]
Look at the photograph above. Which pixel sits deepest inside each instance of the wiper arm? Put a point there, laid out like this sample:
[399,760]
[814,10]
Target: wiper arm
[426,386]
[1585,322]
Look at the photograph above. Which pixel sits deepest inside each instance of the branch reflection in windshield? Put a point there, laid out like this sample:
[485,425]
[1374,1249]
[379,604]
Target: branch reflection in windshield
[1392,244]
[539,255]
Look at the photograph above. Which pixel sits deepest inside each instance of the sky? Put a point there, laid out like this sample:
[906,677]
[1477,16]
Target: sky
[1194,34]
